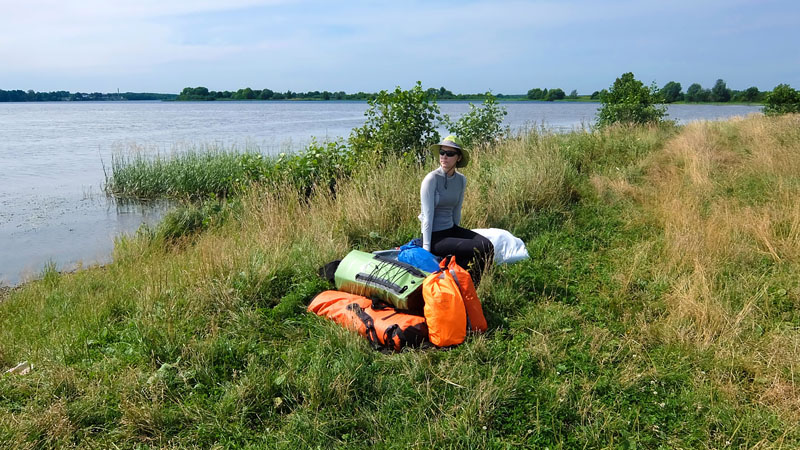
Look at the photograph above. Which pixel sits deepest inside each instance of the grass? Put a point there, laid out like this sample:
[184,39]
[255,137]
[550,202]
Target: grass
[211,172]
[659,309]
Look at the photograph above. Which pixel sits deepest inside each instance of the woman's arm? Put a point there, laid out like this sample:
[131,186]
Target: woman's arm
[457,208]
[427,195]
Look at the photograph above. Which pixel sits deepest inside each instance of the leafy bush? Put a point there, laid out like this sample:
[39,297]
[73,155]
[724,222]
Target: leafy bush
[479,126]
[400,123]
[629,101]
[317,165]
[782,100]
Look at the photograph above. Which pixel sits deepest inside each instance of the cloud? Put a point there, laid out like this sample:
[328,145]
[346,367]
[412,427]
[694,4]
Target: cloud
[91,35]
[506,45]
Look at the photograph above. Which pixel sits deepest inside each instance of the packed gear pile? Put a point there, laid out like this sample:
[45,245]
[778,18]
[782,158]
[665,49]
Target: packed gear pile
[395,304]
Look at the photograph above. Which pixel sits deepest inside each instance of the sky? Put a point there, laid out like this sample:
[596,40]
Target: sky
[467,46]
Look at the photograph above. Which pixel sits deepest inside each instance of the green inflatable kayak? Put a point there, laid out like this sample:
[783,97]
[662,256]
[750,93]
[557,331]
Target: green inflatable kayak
[387,279]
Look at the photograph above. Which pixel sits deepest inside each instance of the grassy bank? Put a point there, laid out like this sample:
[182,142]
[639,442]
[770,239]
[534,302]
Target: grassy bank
[659,308]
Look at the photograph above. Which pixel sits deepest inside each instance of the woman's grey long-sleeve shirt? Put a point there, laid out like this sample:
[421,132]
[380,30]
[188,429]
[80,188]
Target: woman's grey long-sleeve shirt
[441,197]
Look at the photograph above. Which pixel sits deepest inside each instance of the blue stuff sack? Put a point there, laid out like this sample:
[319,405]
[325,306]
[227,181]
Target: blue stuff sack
[412,253]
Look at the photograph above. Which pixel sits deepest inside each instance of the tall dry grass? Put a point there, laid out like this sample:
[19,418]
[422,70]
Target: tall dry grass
[376,208]
[726,198]
[509,181]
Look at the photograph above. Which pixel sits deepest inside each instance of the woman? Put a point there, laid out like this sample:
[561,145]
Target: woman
[441,194]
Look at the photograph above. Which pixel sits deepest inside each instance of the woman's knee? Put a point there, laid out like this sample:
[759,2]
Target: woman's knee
[484,246]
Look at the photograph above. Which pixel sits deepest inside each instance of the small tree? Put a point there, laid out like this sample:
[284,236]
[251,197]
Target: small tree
[720,92]
[574,94]
[671,92]
[400,122]
[479,126]
[750,94]
[782,100]
[630,101]
[694,93]
[536,94]
[555,94]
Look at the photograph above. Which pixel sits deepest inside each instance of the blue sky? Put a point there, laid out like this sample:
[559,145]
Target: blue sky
[467,46]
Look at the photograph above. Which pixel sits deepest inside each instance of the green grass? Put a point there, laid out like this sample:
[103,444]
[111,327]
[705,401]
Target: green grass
[190,175]
[634,324]
[213,172]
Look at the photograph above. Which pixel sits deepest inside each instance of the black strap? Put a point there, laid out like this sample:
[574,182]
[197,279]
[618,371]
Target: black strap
[379,304]
[405,266]
[392,332]
[372,335]
[370,279]
[328,270]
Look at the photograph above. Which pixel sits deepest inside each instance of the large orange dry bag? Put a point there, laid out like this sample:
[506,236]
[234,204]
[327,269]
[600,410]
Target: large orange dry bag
[384,327]
[444,309]
[475,317]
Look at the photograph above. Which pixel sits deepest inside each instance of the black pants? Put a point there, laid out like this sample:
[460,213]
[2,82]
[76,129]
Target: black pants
[472,251]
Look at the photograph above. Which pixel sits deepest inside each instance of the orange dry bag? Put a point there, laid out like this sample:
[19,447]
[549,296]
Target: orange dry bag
[444,309]
[476,319]
[384,328]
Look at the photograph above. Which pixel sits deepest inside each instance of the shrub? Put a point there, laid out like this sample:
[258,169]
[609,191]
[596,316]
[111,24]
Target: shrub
[400,123]
[629,101]
[317,165]
[479,126]
[782,100]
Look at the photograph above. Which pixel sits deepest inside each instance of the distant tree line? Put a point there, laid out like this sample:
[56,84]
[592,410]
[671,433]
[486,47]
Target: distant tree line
[628,100]
[671,92]
[720,92]
[446,94]
[548,94]
[61,96]
[201,93]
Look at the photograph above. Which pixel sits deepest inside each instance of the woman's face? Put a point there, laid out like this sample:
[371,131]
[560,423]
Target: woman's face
[448,163]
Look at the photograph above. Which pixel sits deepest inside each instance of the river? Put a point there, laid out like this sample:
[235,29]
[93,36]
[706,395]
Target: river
[53,158]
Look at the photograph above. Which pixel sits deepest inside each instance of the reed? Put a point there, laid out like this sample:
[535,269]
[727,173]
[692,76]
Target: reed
[191,174]
[217,172]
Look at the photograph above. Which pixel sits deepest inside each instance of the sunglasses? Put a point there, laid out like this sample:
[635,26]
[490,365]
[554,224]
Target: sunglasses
[448,153]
